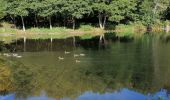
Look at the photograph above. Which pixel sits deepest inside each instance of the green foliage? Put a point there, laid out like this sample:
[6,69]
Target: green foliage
[48,8]
[34,5]
[132,30]
[152,10]
[121,9]
[117,11]
[6,28]
[113,10]
[17,7]
[86,27]
[147,14]
[77,8]
[128,30]
[3,5]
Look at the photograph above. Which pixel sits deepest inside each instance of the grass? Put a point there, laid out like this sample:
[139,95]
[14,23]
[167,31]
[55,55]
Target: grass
[8,32]
[124,30]
[46,30]
[7,28]
[86,28]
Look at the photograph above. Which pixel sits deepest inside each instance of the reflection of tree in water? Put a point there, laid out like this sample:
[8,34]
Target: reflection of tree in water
[161,61]
[62,80]
[15,77]
[5,77]
[22,80]
[127,65]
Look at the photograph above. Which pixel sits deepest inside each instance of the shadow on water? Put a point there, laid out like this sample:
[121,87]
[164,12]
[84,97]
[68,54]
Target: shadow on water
[109,68]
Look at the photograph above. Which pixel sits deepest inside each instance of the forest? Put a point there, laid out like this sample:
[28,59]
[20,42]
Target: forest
[71,13]
[84,49]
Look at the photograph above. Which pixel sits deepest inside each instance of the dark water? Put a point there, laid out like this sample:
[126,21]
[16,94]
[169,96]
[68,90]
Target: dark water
[106,70]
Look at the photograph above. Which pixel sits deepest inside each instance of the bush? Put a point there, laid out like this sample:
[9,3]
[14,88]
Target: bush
[130,30]
[7,25]
[86,27]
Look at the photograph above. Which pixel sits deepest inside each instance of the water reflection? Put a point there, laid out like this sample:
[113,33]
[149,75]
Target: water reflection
[119,70]
[124,94]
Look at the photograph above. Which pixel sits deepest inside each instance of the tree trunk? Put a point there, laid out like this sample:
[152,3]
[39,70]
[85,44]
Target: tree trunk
[15,25]
[167,28]
[25,40]
[23,24]
[149,28]
[50,23]
[100,21]
[51,43]
[74,23]
[104,23]
[64,22]
[36,21]
[74,41]
[13,20]
[57,21]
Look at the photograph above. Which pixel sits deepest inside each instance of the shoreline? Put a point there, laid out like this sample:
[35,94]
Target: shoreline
[9,37]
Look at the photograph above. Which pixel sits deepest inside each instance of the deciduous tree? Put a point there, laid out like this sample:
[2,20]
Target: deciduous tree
[18,8]
[76,9]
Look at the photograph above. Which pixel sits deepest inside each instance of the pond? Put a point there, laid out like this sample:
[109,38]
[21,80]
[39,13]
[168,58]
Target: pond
[91,69]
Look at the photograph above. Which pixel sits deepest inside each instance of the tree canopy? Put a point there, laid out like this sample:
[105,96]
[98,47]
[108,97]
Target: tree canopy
[102,11]
[3,5]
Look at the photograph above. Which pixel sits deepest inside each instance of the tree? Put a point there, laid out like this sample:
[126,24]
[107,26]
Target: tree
[64,10]
[48,9]
[160,5]
[167,14]
[113,10]
[34,6]
[152,10]
[18,8]
[101,7]
[3,5]
[121,9]
[76,9]
[146,12]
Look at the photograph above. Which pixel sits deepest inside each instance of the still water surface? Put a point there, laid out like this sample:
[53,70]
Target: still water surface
[74,69]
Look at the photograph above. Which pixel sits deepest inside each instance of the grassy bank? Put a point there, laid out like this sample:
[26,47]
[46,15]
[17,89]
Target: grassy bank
[138,29]
[132,30]
[8,32]
[7,28]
